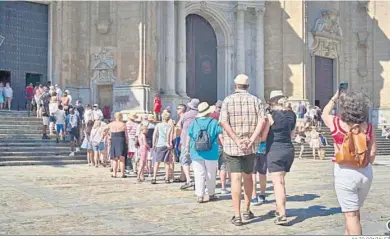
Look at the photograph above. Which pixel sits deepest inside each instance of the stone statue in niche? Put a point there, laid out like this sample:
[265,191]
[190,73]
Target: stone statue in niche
[103,66]
[328,23]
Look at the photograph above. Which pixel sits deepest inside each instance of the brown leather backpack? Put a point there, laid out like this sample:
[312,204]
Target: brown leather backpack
[354,150]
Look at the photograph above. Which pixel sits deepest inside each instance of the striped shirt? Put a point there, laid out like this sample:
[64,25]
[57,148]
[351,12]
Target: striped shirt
[131,129]
[242,111]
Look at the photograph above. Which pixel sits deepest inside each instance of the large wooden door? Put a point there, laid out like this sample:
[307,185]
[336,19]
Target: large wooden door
[323,80]
[201,59]
[105,96]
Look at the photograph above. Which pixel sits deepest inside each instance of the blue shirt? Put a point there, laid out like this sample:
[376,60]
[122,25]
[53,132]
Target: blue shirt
[213,130]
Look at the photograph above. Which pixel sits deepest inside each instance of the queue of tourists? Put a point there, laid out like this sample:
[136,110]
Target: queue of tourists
[241,137]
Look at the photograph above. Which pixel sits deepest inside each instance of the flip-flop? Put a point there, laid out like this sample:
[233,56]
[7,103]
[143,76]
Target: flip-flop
[237,221]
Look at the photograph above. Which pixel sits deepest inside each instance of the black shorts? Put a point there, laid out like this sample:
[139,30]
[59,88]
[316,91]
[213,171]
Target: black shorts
[280,158]
[75,134]
[260,164]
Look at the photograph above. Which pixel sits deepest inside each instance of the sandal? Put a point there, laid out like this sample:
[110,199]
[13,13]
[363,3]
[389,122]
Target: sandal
[281,220]
[178,180]
[154,181]
[112,176]
[124,176]
[186,185]
[200,200]
[237,221]
[248,215]
[167,181]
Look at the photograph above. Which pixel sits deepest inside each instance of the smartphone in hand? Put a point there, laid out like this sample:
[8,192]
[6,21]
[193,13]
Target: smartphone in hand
[343,87]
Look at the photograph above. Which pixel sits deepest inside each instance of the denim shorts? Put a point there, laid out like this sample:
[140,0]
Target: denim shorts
[100,147]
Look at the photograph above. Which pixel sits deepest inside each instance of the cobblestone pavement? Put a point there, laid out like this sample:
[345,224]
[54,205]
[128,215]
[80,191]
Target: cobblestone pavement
[80,200]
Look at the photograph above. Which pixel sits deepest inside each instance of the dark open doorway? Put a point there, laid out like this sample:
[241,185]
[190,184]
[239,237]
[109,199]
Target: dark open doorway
[201,59]
[5,77]
[33,78]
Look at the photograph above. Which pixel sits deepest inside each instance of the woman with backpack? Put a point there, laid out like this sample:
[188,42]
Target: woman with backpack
[352,169]
[202,148]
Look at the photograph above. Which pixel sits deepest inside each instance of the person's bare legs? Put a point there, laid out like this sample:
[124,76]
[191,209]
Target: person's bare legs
[301,152]
[236,179]
[263,183]
[222,176]
[314,153]
[186,170]
[96,158]
[254,179]
[352,221]
[114,166]
[182,174]
[122,165]
[248,189]
[167,171]
[155,169]
[280,192]
[172,170]
[150,167]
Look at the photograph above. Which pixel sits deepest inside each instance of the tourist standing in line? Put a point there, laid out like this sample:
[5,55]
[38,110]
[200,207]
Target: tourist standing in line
[162,141]
[53,107]
[352,182]
[119,143]
[69,97]
[87,144]
[222,165]
[242,118]
[314,142]
[280,149]
[131,130]
[260,169]
[185,122]
[73,131]
[97,113]
[45,122]
[38,100]
[59,92]
[180,110]
[157,107]
[66,102]
[60,122]
[144,148]
[29,96]
[88,114]
[97,143]
[2,97]
[203,148]
[8,94]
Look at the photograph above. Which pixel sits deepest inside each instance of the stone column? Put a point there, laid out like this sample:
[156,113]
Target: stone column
[240,14]
[181,46]
[260,52]
[170,49]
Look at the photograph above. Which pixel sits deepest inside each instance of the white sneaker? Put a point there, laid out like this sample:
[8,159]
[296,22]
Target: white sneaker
[71,154]
[77,149]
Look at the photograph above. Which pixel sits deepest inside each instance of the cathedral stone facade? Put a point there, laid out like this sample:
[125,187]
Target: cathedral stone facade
[123,53]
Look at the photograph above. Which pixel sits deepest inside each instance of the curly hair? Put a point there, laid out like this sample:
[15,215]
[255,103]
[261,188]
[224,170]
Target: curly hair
[354,107]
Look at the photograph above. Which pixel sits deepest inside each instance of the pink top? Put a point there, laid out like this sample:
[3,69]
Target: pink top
[338,133]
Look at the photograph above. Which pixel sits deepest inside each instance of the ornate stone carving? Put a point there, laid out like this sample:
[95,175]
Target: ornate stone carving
[103,26]
[103,66]
[328,24]
[363,5]
[241,7]
[203,6]
[260,10]
[327,35]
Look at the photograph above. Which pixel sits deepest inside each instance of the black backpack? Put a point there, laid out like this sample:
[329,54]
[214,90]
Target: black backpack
[203,141]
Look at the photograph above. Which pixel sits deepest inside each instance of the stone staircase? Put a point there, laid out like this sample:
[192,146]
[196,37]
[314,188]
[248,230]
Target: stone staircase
[382,144]
[21,143]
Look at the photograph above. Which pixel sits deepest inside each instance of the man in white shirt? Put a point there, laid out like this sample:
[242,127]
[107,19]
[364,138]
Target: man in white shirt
[97,113]
[88,114]
[60,122]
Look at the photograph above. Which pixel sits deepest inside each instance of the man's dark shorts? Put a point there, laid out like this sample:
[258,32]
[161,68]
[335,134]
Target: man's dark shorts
[260,164]
[241,164]
[74,134]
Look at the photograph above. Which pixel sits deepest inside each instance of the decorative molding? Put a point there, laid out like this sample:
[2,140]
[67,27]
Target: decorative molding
[103,66]
[203,6]
[260,10]
[103,26]
[362,39]
[241,7]
[328,25]
[363,5]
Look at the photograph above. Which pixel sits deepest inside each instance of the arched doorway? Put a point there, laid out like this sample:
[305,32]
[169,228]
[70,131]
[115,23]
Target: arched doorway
[201,59]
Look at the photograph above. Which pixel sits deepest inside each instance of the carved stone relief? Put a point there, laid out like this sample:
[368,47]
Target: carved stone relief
[327,35]
[103,67]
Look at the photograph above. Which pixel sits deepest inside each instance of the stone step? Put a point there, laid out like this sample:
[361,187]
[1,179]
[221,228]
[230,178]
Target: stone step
[20,126]
[81,157]
[20,118]
[40,152]
[26,130]
[58,162]
[32,143]
[31,148]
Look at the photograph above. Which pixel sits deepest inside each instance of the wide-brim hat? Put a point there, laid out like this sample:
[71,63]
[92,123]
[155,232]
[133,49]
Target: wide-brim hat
[241,79]
[132,116]
[193,104]
[204,109]
[276,95]
[151,118]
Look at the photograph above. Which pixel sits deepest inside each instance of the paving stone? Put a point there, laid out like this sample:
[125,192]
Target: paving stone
[46,200]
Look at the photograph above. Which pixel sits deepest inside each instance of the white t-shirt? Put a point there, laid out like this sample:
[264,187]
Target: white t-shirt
[88,115]
[97,114]
[70,99]
[60,117]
